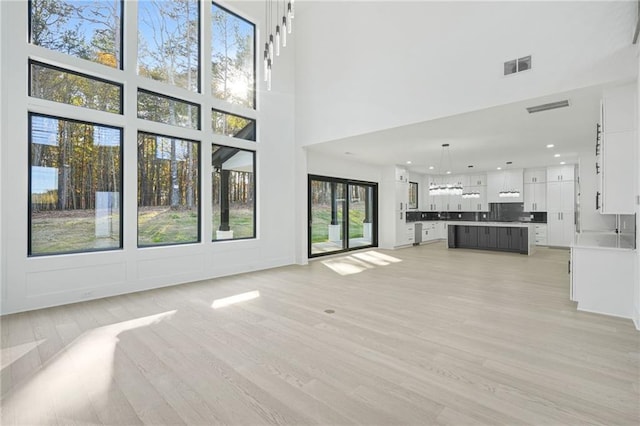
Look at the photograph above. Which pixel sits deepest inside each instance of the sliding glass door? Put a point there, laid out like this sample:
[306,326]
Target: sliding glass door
[342,215]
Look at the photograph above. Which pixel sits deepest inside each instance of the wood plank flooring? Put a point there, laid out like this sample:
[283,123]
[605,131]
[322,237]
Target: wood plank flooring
[423,335]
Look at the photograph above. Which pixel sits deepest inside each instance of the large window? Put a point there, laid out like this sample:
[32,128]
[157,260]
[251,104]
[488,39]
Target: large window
[234,208]
[232,57]
[89,30]
[169,42]
[342,215]
[80,125]
[75,184]
[168,188]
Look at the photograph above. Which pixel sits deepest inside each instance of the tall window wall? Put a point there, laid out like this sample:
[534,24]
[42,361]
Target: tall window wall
[95,94]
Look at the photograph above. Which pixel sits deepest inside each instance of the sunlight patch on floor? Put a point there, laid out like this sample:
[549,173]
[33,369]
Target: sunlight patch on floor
[232,300]
[79,375]
[9,355]
[359,262]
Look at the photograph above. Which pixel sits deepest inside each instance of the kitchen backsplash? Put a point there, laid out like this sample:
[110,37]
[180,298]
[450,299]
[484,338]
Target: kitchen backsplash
[498,212]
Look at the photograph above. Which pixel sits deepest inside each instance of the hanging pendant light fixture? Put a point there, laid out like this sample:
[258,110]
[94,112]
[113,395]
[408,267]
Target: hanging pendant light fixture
[445,188]
[506,191]
[273,44]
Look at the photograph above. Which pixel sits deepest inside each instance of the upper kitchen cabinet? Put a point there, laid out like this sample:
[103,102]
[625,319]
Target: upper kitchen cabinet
[505,181]
[402,175]
[535,175]
[616,151]
[478,180]
[561,173]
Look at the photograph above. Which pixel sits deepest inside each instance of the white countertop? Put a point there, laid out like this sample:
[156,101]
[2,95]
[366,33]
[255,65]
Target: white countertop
[505,224]
[603,239]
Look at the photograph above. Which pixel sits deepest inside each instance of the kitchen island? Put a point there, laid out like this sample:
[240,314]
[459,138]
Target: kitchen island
[516,237]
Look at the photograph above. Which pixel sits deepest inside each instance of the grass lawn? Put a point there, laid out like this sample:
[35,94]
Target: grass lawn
[321,219]
[162,225]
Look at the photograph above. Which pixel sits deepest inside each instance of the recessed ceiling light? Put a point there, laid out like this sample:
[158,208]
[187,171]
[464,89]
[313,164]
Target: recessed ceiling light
[448,172]
[563,162]
[431,167]
[408,161]
[498,168]
[556,155]
[550,145]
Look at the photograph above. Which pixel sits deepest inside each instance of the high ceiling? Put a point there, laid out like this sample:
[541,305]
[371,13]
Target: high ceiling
[485,139]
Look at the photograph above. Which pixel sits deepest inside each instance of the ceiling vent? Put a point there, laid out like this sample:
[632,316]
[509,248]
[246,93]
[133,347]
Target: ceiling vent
[517,65]
[547,107]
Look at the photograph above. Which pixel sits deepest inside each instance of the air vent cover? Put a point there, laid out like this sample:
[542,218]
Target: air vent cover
[517,65]
[547,107]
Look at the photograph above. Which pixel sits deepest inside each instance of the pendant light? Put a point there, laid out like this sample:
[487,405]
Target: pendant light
[445,188]
[506,191]
[273,44]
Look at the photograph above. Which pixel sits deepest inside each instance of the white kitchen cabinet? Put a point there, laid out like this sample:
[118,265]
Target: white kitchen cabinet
[402,195]
[540,230]
[618,152]
[405,233]
[561,196]
[619,109]
[535,197]
[476,204]
[535,175]
[478,180]
[402,175]
[602,280]
[560,213]
[506,180]
[560,228]
[561,173]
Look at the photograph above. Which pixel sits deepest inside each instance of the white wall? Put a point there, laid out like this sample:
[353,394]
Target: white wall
[364,66]
[636,287]
[35,282]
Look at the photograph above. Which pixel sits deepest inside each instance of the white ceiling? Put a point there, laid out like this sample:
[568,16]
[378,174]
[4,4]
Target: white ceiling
[485,139]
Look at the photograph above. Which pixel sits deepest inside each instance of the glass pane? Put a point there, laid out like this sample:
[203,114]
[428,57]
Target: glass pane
[360,216]
[168,42]
[413,195]
[168,197]
[54,84]
[232,57]
[75,186]
[85,29]
[167,110]
[233,125]
[233,193]
[327,216]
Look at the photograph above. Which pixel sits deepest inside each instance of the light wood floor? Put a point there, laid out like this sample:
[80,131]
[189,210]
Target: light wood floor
[420,336]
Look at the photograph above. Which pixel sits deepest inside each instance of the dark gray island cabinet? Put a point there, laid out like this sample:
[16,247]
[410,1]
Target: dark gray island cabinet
[511,237]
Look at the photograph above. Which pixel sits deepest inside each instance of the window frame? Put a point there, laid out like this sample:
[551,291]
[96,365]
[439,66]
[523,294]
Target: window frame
[172,98]
[345,228]
[29,4]
[200,79]
[417,192]
[30,115]
[254,101]
[198,198]
[255,193]
[255,124]
[76,73]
